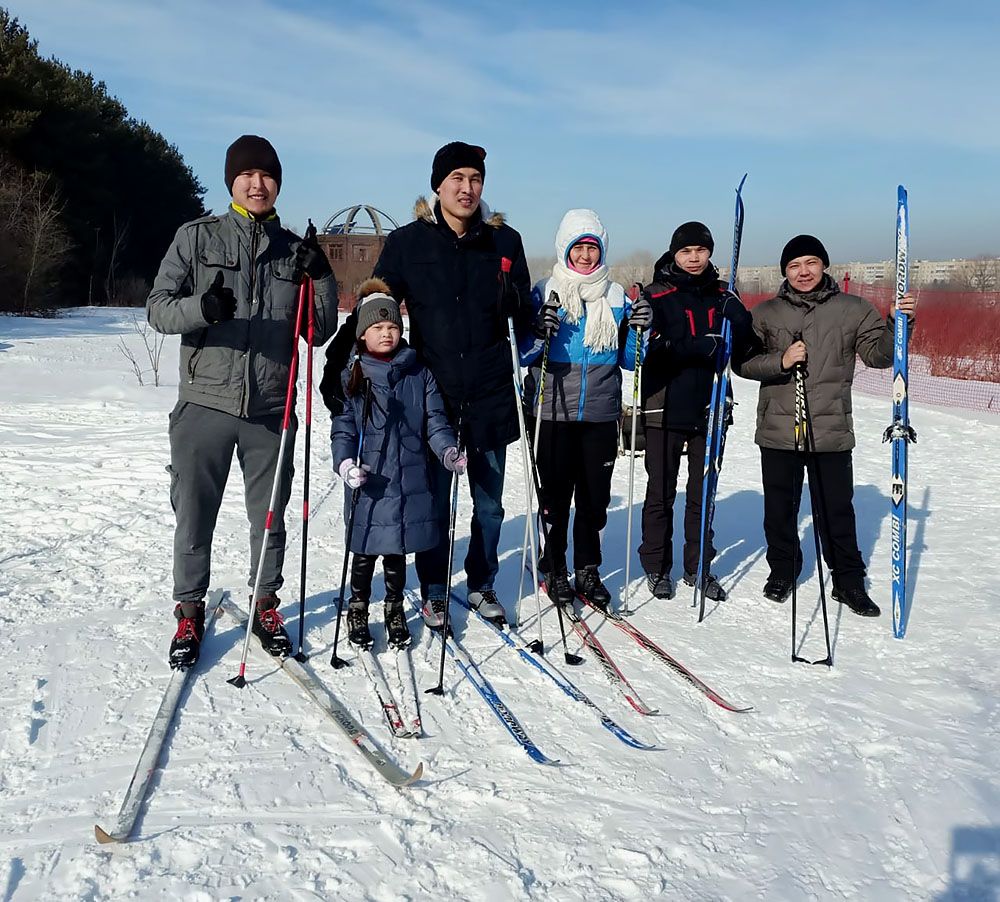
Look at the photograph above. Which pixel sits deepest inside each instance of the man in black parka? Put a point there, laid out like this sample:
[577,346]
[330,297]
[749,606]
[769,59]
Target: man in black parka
[462,273]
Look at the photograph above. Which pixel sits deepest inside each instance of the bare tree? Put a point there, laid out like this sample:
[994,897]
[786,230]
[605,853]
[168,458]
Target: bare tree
[119,238]
[636,267]
[153,344]
[981,273]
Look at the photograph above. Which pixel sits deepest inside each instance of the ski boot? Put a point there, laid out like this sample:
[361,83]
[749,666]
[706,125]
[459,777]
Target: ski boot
[432,610]
[485,601]
[397,633]
[590,588]
[661,585]
[710,585]
[268,627]
[358,633]
[557,587]
[777,589]
[857,600]
[186,644]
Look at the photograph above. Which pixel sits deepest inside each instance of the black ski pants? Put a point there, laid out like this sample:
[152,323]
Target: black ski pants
[664,449]
[393,571]
[831,490]
[575,464]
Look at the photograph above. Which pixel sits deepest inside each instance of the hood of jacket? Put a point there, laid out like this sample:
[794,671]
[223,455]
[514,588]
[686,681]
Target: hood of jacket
[577,224]
[666,272]
[826,289]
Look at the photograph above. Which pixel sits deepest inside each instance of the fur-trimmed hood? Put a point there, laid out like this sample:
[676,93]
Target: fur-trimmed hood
[424,209]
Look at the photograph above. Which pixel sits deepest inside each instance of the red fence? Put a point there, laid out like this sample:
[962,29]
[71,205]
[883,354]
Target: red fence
[954,349]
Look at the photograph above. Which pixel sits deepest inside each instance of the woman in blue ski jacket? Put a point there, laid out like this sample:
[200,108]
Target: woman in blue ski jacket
[392,414]
[591,330]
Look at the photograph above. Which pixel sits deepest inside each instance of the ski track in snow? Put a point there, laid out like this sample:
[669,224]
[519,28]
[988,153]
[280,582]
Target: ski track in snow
[850,783]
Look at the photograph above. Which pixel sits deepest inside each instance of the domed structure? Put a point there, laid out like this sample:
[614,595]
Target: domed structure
[353,239]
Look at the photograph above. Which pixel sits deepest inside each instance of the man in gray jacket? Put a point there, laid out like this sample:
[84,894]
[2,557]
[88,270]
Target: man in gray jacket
[811,323]
[229,285]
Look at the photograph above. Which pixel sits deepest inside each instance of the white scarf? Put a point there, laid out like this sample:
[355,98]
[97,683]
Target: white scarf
[587,295]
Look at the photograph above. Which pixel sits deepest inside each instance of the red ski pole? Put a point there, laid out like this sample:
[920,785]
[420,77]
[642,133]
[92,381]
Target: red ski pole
[239,681]
[300,655]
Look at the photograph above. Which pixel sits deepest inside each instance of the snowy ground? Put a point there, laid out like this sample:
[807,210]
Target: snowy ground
[875,780]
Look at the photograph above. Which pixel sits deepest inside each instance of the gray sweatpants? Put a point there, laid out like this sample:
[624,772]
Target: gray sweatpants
[202,442]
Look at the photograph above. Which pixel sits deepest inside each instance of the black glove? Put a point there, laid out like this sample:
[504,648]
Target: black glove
[707,344]
[309,257]
[641,316]
[218,304]
[546,321]
[731,306]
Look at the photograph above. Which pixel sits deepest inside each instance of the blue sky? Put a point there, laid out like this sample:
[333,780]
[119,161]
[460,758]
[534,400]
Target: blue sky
[648,112]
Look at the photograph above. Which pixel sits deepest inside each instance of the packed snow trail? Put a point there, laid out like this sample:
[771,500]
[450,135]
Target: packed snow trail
[876,780]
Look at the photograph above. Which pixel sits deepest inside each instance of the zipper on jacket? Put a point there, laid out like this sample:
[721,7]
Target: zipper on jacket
[254,241]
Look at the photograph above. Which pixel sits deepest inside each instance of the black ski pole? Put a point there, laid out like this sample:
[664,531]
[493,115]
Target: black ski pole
[300,655]
[804,443]
[336,661]
[439,688]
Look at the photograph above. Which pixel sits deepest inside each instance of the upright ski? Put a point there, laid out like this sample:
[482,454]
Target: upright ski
[483,686]
[718,417]
[900,433]
[150,754]
[513,640]
[331,706]
[645,642]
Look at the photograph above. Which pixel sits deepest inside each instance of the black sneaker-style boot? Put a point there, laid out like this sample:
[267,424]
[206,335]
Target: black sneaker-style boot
[777,588]
[590,588]
[711,586]
[357,624]
[268,626]
[186,644]
[857,600]
[661,585]
[397,633]
[557,587]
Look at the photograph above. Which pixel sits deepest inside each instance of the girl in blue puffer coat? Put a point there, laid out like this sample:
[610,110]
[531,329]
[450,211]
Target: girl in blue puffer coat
[395,513]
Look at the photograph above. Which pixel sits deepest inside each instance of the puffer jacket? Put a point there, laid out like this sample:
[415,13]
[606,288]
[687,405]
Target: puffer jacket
[395,512]
[836,328]
[680,367]
[458,301]
[239,366]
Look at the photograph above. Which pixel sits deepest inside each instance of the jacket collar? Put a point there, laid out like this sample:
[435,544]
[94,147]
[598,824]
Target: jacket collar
[826,289]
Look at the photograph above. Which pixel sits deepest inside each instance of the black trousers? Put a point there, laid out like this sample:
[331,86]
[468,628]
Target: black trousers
[663,462]
[393,571]
[575,464]
[831,487]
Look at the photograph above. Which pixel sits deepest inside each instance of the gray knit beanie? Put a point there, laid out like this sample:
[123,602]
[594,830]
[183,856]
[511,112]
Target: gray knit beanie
[377,307]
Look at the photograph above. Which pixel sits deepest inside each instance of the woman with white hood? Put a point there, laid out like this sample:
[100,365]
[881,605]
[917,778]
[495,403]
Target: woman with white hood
[591,329]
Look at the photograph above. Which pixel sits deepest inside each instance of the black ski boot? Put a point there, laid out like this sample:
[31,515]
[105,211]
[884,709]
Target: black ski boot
[661,585]
[857,600]
[557,587]
[357,624]
[397,633]
[710,584]
[590,588]
[268,627]
[186,644]
[777,589]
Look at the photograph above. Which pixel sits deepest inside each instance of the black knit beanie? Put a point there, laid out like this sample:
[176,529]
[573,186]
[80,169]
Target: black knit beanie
[251,152]
[804,246]
[692,234]
[456,155]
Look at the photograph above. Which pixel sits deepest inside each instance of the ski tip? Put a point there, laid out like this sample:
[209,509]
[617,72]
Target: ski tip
[416,775]
[103,837]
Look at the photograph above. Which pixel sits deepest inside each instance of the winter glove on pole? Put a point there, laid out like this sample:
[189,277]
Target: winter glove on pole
[455,461]
[218,304]
[546,320]
[355,476]
[641,316]
[309,257]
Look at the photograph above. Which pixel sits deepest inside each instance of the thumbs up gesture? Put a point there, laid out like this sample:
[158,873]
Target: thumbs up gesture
[218,304]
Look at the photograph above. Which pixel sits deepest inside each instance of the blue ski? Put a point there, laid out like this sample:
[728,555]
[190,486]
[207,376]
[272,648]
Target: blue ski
[483,686]
[900,433]
[512,638]
[718,416]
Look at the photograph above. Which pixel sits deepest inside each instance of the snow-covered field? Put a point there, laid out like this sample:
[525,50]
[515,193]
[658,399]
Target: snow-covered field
[876,780]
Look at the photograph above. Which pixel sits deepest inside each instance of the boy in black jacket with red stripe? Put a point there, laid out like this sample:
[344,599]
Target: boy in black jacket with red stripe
[689,303]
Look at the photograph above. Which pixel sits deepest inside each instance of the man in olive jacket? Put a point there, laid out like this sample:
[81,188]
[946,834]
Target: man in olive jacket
[448,267]
[811,323]
[229,285]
